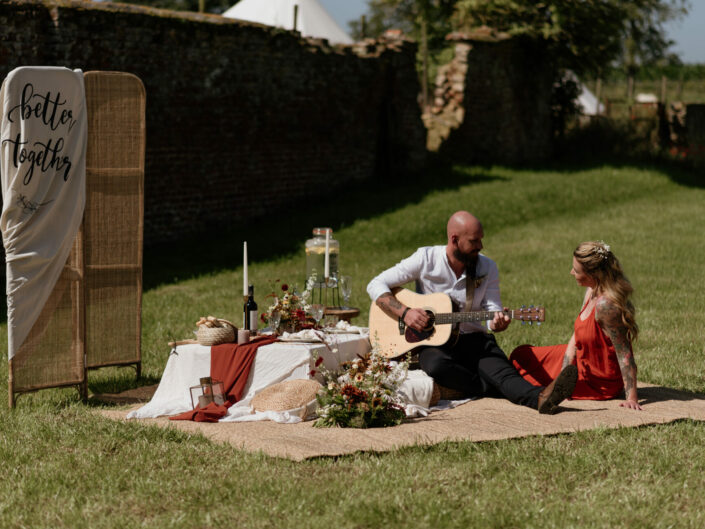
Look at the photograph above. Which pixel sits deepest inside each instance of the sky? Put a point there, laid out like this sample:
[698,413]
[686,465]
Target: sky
[688,33]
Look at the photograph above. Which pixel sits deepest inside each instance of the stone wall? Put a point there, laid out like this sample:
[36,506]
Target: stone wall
[241,118]
[492,102]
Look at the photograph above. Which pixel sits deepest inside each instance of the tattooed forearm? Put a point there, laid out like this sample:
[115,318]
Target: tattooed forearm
[610,319]
[389,304]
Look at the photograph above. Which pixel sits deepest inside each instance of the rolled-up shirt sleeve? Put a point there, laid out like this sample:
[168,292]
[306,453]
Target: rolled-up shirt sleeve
[406,270]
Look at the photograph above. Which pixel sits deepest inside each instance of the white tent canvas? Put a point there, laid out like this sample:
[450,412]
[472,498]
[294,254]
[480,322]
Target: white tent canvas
[312,19]
[588,102]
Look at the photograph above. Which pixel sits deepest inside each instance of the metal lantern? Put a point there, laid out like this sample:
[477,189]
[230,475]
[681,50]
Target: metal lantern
[209,390]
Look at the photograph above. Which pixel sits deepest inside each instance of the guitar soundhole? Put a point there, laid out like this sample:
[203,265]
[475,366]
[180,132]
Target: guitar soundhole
[414,336]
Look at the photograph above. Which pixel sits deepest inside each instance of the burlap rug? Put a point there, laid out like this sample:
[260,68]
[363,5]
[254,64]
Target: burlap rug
[480,420]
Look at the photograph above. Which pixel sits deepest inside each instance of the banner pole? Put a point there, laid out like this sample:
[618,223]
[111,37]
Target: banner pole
[10,385]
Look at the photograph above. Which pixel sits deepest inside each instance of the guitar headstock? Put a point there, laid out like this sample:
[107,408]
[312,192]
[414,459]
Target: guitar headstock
[530,314]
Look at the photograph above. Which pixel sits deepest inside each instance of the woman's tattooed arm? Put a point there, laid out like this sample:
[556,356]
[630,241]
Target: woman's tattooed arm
[609,318]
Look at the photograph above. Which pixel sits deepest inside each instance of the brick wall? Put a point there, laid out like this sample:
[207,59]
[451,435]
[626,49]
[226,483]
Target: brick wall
[492,102]
[240,117]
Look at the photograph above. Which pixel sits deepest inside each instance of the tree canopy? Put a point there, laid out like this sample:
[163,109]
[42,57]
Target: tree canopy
[583,35]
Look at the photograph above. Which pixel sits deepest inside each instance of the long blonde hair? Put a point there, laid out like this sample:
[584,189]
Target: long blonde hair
[603,267]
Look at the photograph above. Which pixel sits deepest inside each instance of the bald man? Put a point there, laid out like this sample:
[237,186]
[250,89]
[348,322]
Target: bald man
[474,364]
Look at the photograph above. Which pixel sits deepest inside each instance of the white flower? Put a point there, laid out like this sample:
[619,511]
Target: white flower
[603,249]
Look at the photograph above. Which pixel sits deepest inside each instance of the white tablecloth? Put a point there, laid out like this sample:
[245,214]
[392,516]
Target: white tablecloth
[273,363]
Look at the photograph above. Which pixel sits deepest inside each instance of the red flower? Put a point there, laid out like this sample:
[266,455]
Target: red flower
[312,373]
[354,394]
[285,287]
[319,361]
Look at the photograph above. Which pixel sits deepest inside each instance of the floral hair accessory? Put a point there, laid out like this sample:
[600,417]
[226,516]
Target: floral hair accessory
[603,249]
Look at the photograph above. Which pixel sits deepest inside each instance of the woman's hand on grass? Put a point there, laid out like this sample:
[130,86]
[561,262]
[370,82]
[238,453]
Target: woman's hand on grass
[631,404]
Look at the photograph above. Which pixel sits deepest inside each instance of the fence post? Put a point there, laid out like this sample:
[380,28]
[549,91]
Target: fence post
[598,93]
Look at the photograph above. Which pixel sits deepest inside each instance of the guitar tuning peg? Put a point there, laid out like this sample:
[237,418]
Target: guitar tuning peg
[523,322]
[538,323]
[523,307]
[531,306]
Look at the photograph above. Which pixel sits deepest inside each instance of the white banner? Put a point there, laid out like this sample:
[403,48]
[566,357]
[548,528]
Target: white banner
[43,170]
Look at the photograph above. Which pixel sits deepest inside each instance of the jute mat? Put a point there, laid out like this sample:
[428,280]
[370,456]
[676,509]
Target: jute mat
[481,420]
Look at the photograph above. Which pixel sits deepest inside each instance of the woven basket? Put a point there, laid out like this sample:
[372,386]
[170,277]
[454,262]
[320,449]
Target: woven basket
[216,335]
[287,395]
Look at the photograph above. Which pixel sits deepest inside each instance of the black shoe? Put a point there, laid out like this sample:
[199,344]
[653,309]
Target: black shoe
[558,390]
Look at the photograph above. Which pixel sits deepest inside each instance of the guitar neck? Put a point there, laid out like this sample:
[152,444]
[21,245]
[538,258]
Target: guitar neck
[475,315]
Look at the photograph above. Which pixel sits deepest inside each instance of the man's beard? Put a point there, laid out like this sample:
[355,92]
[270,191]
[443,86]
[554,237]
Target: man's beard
[470,260]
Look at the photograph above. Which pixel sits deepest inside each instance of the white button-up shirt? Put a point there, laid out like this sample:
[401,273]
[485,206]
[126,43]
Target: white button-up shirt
[430,269]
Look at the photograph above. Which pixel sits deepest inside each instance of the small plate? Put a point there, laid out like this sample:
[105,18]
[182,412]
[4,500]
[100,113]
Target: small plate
[339,331]
[300,340]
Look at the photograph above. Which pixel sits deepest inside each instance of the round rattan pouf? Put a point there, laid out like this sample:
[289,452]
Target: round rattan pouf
[287,395]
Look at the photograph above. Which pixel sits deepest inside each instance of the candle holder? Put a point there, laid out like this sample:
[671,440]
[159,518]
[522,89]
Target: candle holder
[321,291]
[208,390]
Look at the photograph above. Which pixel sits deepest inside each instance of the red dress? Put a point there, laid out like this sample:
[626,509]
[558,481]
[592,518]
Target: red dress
[599,376]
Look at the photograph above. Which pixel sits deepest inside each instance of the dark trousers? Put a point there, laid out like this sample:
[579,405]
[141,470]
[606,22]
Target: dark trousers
[477,366]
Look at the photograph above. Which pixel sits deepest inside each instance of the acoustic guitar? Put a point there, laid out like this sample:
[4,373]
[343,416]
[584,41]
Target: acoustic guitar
[394,339]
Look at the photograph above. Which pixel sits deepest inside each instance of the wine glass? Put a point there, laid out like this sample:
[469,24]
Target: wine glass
[346,289]
[316,311]
[275,319]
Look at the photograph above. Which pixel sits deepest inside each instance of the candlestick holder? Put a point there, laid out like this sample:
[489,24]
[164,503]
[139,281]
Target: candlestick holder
[325,291]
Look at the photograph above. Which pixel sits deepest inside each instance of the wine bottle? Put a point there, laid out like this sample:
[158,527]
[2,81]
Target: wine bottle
[250,311]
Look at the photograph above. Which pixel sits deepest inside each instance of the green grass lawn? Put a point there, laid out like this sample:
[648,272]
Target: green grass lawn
[64,466]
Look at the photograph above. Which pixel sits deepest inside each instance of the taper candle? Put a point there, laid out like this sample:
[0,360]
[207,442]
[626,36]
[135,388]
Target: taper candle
[245,282]
[326,265]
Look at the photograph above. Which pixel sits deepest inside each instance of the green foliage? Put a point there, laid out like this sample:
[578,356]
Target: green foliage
[564,104]
[654,72]
[425,21]
[407,15]
[630,32]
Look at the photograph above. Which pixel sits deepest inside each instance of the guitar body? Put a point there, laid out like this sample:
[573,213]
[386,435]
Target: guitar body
[384,331]
[443,322]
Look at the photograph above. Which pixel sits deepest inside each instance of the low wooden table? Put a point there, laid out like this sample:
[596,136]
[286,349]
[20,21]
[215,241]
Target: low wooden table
[342,313]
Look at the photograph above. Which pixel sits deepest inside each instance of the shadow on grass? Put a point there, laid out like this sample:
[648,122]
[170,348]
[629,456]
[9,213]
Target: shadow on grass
[678,172]
[282,234]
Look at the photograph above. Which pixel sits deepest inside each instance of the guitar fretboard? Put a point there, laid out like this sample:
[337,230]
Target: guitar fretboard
[476,315]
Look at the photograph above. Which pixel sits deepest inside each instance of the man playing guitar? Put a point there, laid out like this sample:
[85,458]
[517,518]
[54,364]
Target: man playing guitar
[474,364]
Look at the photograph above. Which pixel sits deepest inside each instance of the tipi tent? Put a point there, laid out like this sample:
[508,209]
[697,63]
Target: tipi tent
[588,102]
[312,20]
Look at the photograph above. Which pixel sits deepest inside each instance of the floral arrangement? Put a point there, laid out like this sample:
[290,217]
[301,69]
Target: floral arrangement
[291,305]
[363,394]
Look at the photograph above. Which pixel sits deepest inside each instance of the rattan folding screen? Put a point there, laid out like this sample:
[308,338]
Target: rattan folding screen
[113,218]
[93,316]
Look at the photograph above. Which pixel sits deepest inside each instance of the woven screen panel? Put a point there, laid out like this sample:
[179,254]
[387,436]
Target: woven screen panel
[113,222]
[52,354]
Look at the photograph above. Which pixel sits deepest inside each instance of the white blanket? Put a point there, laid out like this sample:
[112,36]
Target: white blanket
[42,162]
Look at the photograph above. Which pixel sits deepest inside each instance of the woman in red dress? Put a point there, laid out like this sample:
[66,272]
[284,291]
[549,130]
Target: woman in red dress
[601,345]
